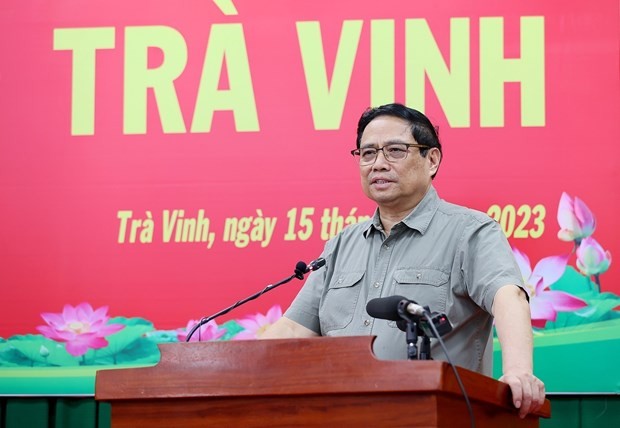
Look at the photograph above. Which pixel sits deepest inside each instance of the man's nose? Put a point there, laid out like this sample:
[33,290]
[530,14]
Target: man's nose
[380,162]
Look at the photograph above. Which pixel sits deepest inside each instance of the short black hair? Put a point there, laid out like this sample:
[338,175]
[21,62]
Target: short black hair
[422,129]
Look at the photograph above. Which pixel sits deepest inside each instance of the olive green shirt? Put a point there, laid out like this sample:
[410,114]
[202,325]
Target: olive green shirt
[444,256]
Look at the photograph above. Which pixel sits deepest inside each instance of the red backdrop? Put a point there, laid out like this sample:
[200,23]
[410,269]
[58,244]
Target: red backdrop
[62,192]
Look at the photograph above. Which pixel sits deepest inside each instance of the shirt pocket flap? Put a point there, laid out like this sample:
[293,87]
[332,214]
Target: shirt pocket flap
[345,279]
[427,276]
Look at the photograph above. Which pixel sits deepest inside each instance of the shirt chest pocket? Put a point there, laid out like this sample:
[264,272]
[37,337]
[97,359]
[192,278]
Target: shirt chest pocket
[339,301]
[427,287]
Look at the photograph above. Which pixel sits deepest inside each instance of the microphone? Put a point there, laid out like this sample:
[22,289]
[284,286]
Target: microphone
[300,269]
[396,308]
[387,307]
[315,264]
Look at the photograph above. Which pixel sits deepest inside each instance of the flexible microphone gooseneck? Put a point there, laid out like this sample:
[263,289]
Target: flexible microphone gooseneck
[300,270]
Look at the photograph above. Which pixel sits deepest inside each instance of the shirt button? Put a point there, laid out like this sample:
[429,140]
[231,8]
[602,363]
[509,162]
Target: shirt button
[367,322]
[376,284]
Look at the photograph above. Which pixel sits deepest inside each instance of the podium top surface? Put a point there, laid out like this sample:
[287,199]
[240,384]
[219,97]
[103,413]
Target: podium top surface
[324,365]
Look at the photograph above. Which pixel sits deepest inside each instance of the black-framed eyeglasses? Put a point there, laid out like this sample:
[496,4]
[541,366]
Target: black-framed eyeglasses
[392,152]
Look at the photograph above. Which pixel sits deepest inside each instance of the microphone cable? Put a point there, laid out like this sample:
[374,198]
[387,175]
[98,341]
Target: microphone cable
[472,420]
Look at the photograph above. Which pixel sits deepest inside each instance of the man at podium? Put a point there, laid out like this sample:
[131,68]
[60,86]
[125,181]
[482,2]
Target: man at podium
[450,258]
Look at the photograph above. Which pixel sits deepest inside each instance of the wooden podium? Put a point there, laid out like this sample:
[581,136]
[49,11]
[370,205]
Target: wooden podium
[319,382]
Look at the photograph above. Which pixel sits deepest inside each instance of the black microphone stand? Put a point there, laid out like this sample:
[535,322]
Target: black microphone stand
[300,269]
[412,333]
[425,349]
[411,330]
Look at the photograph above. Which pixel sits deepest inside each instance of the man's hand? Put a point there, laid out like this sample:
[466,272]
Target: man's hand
[514,330]
[528,392]
[285,328]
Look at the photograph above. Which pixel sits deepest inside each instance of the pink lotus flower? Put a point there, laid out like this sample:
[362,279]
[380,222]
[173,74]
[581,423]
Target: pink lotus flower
[257,324]
[575,219]
[546,303]
[591,258]
[81,327]
[206,332]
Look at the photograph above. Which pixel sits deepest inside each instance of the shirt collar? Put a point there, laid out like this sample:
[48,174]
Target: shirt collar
[423,213]
[418,219]
[374,224]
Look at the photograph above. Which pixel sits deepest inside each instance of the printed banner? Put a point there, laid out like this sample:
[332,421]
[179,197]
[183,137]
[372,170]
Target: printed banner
[160,161]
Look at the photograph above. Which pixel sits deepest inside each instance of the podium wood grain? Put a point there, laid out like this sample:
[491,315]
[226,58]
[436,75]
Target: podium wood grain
[316,382]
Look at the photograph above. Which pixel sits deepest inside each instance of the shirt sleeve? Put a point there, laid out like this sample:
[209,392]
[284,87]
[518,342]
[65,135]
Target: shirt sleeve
[488,263]
[305,307]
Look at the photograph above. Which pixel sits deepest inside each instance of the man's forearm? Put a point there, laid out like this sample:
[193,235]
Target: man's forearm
[514,330]
[513,323]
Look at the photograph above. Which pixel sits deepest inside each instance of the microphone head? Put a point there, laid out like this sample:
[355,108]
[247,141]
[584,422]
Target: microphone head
[301,267]
[385,308]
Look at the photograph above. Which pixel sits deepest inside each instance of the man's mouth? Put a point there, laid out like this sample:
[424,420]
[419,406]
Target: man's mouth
[380,181]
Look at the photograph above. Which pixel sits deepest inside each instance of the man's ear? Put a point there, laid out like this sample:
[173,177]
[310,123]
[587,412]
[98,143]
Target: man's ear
[434,156]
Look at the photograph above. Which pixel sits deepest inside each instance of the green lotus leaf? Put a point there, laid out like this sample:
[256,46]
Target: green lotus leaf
[140,351]
[130,321]
[573,282]
[117,343]
[232,328]
[600,305]
[11,357]
[163,336]
[36,350]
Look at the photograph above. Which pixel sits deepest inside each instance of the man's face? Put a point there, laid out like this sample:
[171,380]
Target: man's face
[396,186]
